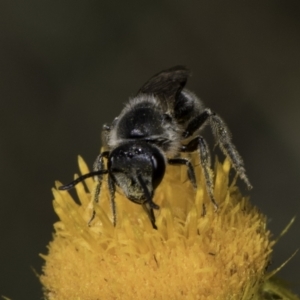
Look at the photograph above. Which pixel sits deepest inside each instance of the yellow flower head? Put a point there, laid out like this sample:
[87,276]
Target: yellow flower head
[196,253]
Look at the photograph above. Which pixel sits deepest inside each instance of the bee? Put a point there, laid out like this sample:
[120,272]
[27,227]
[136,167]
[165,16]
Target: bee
[163,120]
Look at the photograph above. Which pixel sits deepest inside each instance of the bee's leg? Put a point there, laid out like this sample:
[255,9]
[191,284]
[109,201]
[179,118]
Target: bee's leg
[222,137]
[98,166]
[199,143]
[112,191]
[190,168]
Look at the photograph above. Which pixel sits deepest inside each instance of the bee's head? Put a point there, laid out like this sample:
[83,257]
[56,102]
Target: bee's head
[137,168]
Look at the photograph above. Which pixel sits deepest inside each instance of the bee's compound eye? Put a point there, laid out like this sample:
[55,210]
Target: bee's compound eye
[159,168]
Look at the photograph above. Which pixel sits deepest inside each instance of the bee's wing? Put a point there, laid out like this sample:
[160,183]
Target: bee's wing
[166,84]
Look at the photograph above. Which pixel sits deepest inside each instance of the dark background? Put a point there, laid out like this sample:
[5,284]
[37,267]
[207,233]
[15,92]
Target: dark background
[67,67]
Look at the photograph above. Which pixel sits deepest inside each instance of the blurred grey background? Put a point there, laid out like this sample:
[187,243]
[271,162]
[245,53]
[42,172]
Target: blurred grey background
[67,67]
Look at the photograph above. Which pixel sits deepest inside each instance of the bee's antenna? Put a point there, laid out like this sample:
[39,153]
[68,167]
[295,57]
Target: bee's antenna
[81,178]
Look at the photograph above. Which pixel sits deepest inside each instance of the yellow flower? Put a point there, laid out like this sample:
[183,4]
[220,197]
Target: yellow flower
[196,253]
